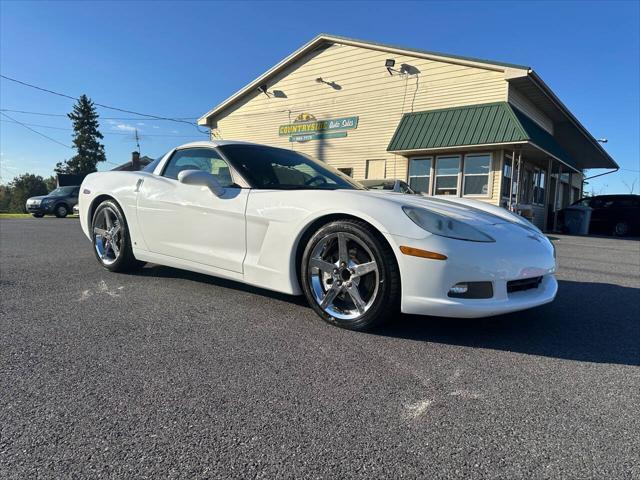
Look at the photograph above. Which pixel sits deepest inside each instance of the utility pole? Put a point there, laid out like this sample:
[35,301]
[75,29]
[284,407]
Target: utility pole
[137,140]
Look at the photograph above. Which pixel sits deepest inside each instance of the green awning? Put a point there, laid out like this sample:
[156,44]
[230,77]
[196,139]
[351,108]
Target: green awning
[485,124]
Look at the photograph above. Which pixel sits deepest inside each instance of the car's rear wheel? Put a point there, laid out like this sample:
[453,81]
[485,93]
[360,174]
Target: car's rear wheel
[621,229]
[61,211]
[111,240]
[350,276]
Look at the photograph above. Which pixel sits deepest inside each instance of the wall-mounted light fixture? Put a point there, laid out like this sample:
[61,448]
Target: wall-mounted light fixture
[333,85]
[263,89]
[389,63]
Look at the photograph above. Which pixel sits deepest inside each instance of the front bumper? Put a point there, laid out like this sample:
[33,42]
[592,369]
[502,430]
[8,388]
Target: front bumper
[40,209]
[426,282]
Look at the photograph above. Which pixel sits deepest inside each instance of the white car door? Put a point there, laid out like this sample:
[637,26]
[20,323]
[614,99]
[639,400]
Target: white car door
[189,222]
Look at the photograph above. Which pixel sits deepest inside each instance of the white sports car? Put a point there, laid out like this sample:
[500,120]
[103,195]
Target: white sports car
[280,220]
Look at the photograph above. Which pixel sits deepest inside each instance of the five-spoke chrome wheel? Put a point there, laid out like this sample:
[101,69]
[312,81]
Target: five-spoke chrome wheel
[343,275]
[107,235]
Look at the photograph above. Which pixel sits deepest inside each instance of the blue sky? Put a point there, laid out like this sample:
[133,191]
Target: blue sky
[179,59]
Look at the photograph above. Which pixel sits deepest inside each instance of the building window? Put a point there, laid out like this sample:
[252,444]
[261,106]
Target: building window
[447,171]
[347,171]
[539,186]
[507,177]
[376,169]
[476,174]
[419,174]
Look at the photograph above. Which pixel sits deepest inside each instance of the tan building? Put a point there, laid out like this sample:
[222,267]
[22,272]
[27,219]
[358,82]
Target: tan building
[448,125]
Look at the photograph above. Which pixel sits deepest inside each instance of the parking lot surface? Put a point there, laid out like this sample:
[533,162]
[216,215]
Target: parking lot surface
[170,374]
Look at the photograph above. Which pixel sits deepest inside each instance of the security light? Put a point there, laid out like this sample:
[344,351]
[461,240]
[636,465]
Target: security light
[389,63]
[263,89]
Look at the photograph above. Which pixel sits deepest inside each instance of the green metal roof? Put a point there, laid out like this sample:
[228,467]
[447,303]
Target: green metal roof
[471,125]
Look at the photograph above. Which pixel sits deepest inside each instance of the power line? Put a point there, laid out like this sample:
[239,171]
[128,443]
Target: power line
[46,114]
[123,110]
[104,133]
[35,131]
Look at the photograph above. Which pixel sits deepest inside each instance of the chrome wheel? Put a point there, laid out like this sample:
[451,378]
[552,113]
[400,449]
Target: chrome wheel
[107,235]
[343,276]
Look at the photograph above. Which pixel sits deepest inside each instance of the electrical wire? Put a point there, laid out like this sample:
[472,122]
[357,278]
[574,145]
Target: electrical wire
[104,133]
[35,131]
[123,110]
[65,115]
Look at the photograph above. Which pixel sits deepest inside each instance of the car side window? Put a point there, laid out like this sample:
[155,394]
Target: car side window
[204,159]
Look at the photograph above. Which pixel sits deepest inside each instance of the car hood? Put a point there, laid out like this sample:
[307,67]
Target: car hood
[473,212]
[40,197]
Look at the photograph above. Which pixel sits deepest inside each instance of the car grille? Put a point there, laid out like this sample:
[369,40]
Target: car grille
[523,284]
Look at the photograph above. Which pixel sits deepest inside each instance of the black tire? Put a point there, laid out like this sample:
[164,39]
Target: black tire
[621,229]
[124,261]
[61,210]
[382,302]
[38,215]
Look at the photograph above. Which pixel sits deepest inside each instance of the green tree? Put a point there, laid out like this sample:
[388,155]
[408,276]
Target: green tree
[86,139]
[51,183]
[5,198]
[25,186]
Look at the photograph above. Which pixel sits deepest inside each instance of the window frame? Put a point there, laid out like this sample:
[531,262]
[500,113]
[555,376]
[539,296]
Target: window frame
[458,191]
[431,159]
[489,193]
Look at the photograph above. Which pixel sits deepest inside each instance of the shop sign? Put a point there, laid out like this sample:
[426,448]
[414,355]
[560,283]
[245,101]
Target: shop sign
[306,125]
[316,136]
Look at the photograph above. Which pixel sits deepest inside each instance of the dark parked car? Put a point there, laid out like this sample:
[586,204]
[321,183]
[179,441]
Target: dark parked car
[386,184]
[612,214]
[60,202]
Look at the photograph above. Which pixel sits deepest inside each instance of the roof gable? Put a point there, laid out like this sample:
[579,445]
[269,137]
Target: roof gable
[326,39]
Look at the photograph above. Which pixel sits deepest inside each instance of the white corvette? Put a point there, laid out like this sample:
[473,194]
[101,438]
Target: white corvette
[280,220]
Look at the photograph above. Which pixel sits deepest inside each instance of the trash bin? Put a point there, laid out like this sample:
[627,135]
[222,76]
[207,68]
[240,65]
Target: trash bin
[577,219]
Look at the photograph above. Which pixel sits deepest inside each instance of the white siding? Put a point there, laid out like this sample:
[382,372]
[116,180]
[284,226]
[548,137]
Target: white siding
[363,89]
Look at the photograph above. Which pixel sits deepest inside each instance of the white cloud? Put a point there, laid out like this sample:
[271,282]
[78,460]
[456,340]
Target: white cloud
[174,131]
[141,124]
[155,126]
[125,127]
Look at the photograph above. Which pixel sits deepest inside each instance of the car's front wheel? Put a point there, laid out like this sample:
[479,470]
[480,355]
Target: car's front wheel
[61,211]
[111,240]
[349,275]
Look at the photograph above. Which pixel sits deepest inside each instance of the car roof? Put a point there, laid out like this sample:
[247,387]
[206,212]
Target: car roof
[216,143]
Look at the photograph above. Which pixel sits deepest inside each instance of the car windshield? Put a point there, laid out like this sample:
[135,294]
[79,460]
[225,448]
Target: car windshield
[61,191]
[280,169]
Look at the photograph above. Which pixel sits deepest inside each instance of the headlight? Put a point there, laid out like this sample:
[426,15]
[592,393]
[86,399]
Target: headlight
[445,226]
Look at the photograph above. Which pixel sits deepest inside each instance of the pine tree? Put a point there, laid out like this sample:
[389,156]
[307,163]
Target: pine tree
[86,139]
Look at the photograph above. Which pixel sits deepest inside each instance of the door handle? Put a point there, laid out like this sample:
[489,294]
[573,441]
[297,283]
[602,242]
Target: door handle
[138,185]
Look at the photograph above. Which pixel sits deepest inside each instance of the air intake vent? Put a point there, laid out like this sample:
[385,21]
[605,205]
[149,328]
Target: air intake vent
[523,284]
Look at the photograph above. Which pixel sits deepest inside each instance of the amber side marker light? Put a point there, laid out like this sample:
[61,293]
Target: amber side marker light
[416,252]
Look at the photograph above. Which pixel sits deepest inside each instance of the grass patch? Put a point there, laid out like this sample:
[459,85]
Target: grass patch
[15,215]
[28,215]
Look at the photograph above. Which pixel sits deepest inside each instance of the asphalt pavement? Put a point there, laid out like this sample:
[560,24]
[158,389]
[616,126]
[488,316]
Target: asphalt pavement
[171,374]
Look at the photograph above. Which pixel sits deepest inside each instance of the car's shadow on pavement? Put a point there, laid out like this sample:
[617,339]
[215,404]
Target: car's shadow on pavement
[591,322]
[153,270]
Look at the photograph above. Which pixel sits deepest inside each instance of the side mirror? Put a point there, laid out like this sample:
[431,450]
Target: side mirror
[202,179]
